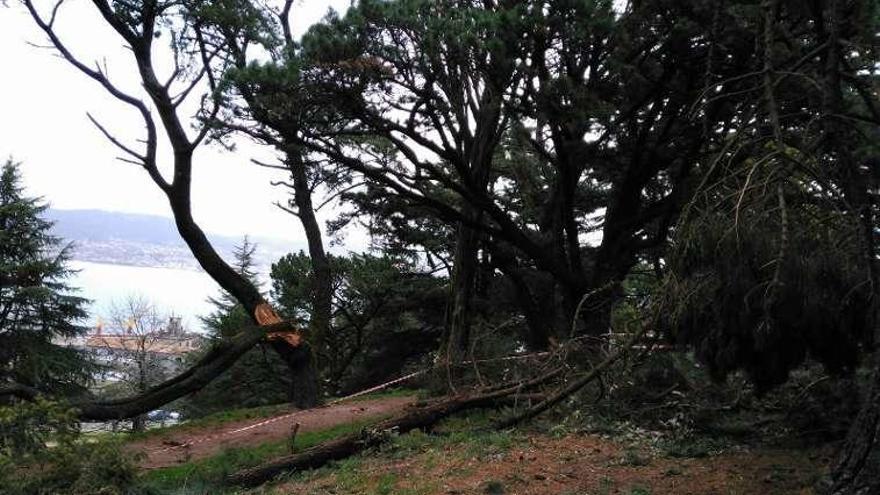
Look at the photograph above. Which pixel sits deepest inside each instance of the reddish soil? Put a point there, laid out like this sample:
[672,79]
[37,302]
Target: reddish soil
[575,464]
[182,445]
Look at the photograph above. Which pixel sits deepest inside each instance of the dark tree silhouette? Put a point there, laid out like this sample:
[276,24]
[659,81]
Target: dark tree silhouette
[37,306]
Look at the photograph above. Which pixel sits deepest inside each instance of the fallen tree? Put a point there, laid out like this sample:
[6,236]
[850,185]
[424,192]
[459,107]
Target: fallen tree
[139,26]
[426,416]
[417,417]
[574,386]
[215,362]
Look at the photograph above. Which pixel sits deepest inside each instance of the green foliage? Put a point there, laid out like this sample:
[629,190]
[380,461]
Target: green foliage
[42,452]
[692,446]
[36,304]
[471,433]
[755,290]
[494,487]
[467,438]
[26,427]
[248,20]
[202,419]
[377,320]
[258,378]
[632,457]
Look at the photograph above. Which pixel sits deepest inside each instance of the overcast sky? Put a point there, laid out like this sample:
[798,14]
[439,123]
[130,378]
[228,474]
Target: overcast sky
[43,124]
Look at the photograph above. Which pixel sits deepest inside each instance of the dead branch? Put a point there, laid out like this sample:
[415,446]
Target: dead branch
[576,385]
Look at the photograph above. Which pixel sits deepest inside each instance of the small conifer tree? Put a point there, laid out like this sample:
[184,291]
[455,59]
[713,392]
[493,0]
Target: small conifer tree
[37,306]
[258,377]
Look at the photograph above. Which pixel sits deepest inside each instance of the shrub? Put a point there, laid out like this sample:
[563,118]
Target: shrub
[43,452]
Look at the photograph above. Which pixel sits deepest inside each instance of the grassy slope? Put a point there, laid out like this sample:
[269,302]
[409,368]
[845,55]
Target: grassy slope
[205,476]
[465,457]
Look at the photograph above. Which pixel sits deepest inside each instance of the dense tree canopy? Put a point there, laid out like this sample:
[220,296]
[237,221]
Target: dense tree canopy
[385,315]
[517,163]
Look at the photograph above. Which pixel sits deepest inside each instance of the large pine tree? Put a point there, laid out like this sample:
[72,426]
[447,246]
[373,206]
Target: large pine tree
[37,306]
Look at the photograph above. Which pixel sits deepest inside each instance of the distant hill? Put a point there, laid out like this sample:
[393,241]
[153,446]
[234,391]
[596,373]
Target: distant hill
[145,240]
[100,225]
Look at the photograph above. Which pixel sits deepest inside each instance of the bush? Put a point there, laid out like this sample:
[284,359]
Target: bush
[43,452]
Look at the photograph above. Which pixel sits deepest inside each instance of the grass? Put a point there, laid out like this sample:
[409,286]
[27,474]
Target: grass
[693,446]
[470,433]
[493,487]
[206,475]
[459,438]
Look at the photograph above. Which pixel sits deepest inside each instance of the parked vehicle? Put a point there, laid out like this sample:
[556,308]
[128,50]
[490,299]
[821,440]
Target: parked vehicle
[163,415]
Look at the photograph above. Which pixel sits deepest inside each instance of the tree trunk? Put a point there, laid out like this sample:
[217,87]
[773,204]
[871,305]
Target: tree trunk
[857,471]
[178,193]
[139,423]
[458,328]
[303,392]
[321,277]
[349,445]
[215,362]
[305,381]
[536,309]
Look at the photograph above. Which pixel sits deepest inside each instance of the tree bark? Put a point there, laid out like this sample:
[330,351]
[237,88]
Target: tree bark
[857,469]
[540,317]
[317,456]
[305,391]
[457,339]
[139,423]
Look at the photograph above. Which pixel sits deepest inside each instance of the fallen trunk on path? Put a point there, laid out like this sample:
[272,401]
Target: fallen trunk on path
[574,386]
[422,417]
[417,417]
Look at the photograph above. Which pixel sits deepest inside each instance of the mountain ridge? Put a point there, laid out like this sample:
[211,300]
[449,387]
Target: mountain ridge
[137,239]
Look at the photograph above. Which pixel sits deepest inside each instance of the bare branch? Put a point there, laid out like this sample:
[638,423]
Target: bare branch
[142,159]
[284,19]
[268,165]
[286,209]
[55,12]
[338,194]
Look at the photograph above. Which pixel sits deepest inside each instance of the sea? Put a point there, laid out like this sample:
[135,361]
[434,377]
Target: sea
[181,292]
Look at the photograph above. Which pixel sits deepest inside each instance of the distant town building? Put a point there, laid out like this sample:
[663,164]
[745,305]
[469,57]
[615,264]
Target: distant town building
[166,346]
[172,340]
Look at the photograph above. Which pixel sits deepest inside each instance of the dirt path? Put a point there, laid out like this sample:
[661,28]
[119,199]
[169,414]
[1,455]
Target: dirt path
[178,446]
